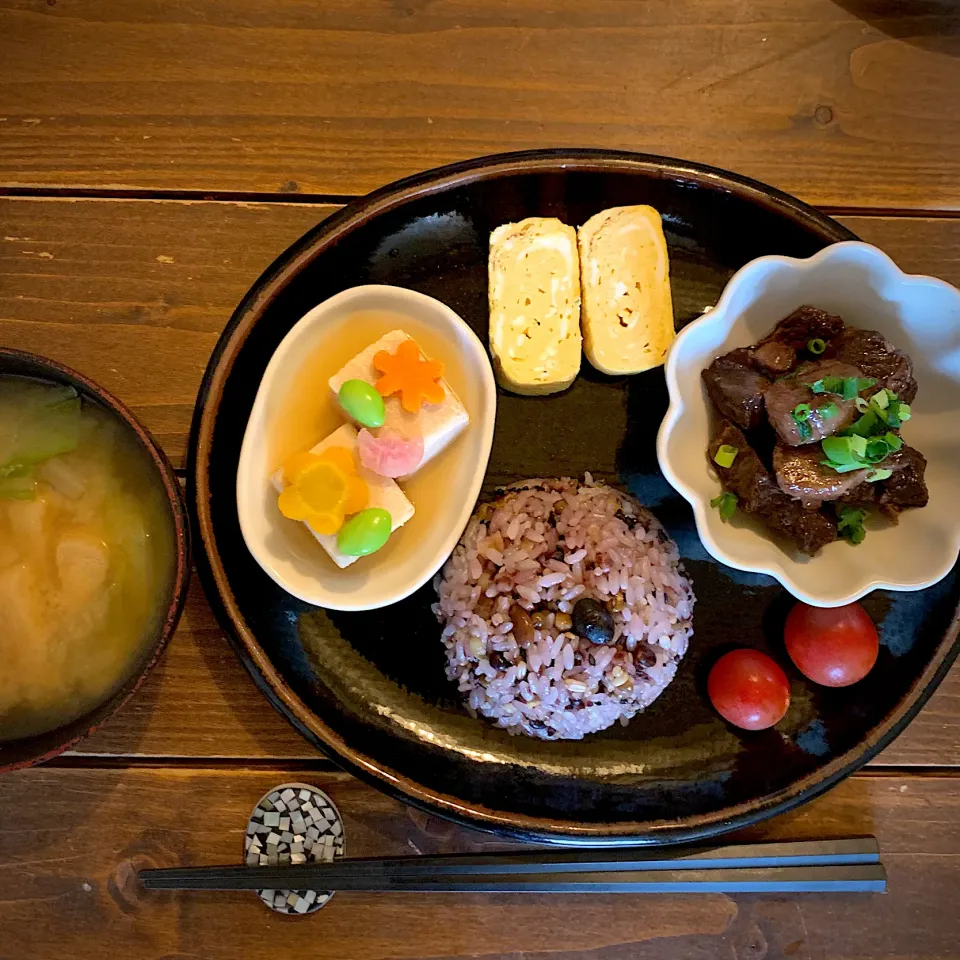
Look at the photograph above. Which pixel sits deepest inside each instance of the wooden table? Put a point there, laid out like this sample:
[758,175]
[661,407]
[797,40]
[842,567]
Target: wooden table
[156,155]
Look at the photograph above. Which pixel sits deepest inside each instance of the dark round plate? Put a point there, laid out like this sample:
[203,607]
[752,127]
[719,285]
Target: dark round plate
[369,689]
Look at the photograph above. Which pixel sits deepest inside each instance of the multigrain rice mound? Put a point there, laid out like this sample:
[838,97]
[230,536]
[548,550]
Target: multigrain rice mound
[508,592]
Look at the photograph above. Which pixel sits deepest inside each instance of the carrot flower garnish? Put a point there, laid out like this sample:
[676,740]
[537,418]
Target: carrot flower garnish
[407,373]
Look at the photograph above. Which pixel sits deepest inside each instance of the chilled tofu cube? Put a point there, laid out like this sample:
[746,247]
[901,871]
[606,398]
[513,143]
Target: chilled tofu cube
[438,423]
[384,493]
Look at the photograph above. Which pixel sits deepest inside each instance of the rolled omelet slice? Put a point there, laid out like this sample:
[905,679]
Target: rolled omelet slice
[625,282]
[535,305]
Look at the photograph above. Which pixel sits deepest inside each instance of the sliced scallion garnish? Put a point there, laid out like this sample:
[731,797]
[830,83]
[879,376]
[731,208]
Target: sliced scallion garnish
[726,504]
[842,450]
[877,450]
[816,346]
[827,385]
[828,410]
[862,405]
[850,523]
[866,426]
[881,473]
[845,387]
[801,411]
[725,455]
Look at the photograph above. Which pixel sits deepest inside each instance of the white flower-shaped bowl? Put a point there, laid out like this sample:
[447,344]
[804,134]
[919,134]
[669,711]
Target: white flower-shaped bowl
[920,315]
[414,553]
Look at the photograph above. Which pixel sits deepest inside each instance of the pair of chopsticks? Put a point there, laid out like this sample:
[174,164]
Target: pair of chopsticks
[802,866]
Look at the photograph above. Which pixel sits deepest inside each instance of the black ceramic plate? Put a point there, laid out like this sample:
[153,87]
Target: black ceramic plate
[369,689]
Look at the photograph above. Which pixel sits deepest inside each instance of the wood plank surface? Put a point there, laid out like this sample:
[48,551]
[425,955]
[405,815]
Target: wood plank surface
[134,293]
[74,839]
[850,103]
[200,702]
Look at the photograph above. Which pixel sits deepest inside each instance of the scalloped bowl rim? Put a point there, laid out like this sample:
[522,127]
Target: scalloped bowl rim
[723,317]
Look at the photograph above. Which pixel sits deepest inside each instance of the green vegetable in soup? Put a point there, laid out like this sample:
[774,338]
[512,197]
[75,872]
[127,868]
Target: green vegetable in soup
[18,488]
[40,421]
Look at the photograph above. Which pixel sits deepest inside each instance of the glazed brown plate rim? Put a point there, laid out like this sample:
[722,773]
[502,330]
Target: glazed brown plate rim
[59,372]
[272,683]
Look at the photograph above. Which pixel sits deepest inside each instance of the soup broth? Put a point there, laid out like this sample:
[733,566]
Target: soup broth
[87,555]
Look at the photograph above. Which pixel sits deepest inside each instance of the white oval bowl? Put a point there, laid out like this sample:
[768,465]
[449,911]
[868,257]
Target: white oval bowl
[285,549]
[918,314]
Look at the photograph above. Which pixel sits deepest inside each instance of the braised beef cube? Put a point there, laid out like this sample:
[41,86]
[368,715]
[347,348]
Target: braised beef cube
[907,487]
[773,358]
[758,493]
[805,324]
[876,357]
[736,388]
[864,494]
[828,412]
[802,475]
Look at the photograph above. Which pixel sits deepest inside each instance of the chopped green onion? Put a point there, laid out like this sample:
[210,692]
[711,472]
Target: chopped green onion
[804,430]
[828,410]
[881,473]
[725,456]
[882,398]
[861,405]
[841,450]
[844,467]
[816,346]
[893,441]
[877,450]
[854,385]
[850,523]
[827,385]
[848,453]
[726,504]
[903,411]
[866,426]
[850,388]
[856,535]
[845,387]
[801,411]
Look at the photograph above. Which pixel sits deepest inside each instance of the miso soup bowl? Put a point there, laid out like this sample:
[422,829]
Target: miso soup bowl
[29,751]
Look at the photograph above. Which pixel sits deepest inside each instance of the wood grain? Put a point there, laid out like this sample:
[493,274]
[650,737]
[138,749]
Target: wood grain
[134,293]
[67,884]
[200,702]
[850,104]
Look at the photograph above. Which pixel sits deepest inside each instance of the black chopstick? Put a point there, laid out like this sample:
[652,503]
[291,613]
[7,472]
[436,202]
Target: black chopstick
[857,878]
[776,867]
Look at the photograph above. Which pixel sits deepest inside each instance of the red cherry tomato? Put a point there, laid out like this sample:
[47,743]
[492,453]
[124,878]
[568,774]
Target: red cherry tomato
[834,647]
[749,689]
